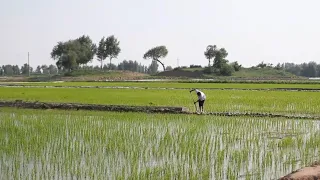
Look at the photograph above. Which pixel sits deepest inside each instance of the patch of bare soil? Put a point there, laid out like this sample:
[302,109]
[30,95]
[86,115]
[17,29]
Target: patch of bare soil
[307,173]
[117,76]
[95,107]
[181,73]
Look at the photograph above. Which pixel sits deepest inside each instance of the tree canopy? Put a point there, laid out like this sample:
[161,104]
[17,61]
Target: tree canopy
[210,52]
[108,48]
[72,53]
[156,54]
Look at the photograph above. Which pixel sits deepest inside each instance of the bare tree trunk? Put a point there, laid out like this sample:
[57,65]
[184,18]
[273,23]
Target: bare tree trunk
[110,64]
[164,68]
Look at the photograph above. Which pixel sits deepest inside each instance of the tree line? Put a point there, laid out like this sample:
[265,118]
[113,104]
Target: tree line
[71,54]
[125,65]
[74,53]
[220,65]
[310,69]
[11,70]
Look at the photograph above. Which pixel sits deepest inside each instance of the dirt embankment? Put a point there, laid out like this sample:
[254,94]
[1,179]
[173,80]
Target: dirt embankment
[114,76]
[312,173]
[95,107]
[146,109]
[181,73]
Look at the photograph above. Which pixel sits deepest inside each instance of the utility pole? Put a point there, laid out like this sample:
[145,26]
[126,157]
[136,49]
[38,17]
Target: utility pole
[28,65]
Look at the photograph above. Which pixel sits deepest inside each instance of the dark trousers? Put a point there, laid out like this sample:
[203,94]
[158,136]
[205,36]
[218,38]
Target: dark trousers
[201,103]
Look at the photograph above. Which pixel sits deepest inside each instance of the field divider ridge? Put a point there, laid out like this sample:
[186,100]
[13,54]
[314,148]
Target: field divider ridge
[160,88]
[145,109]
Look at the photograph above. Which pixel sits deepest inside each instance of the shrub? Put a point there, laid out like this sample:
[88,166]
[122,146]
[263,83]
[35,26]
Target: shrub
[226,70]
[195,66]
[208,70]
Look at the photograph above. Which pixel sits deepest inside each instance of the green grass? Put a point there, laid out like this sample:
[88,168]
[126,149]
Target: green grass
[192,69]
[266,72]
[252,72]
[173,85]
[52,144]
[217,100]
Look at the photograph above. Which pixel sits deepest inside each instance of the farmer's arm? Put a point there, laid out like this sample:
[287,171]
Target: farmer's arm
[194,90]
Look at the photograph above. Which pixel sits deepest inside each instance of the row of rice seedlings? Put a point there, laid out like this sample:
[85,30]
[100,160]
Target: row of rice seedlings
[122,146]
[298,103]
[173,84]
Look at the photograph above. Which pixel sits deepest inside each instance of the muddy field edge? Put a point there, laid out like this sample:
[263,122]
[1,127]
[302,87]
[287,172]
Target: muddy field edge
[144,109]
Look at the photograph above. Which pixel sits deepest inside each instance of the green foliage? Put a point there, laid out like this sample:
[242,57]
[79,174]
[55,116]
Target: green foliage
[108,48]
[71,54]
[101,51]
[177,84]
[210,52]
[153,68]
[156,54]
[236,66]
[219,66]
[169,68]
[262,73]
[24,69]
[226,70]
[150,146]
[8,70]
[217,100]
[219,59]
[208,70]
[262,65]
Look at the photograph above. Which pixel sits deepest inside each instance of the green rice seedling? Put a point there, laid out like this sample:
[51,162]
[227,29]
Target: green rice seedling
[110,145]
[173,84]
[275,102]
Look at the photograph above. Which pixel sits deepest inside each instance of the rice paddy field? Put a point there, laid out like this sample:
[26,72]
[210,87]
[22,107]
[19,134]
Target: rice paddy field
[64,144]
[174,84]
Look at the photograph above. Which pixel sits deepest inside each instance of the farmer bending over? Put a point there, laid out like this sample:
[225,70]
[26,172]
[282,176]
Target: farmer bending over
[201,98]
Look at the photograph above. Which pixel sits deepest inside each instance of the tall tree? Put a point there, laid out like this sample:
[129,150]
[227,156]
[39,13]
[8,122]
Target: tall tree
[8,70]
[73,53]
[24,69]
[16,70]
[101,51]
[219,59]
[210,52]
[53,69]
[156,54]
[112,48]
[45,69]
[236,66]
[153,68]
[38,70]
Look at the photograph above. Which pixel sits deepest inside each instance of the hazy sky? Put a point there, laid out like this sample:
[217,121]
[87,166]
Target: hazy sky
[251,30]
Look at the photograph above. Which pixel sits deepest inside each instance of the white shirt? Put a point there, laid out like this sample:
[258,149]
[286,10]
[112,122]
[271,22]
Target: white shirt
[202,96]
